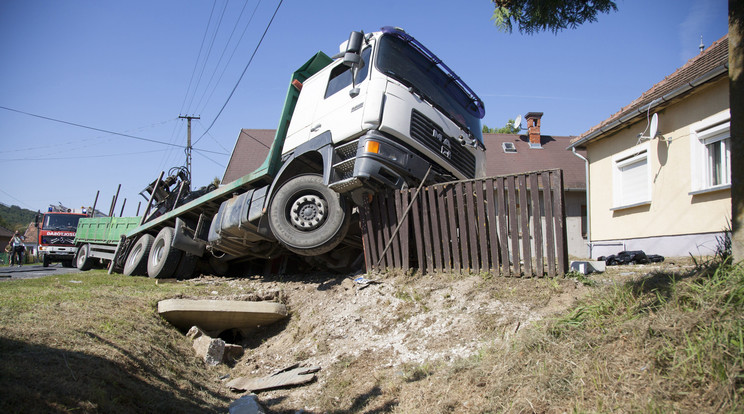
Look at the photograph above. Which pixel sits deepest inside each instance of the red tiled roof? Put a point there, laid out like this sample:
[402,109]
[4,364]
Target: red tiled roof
[704,63]
[553,154]
[249,153]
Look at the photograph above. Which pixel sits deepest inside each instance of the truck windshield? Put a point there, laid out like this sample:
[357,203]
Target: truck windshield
[61,222]
[403,62]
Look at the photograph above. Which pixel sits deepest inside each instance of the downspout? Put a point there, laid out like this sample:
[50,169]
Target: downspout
[588,209]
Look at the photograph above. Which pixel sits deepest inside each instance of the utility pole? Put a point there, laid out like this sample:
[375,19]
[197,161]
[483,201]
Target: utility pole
[188,145]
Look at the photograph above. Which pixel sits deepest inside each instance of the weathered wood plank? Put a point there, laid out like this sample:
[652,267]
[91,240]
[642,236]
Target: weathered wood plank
[482,224]
[436,241]
[365,220]
[392,224]
[443,229]
[472,227]
[537,224]
[524,218]
[401,203]
[454,237]
[549,230]
[493,233]
[426,222]
[513,223]
[462,221]
[418,232]
[560,221]
[503,229]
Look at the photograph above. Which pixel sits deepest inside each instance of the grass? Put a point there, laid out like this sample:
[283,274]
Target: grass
[664,342]
[92,342]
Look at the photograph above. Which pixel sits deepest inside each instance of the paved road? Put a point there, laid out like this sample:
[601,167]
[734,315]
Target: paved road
[33,271]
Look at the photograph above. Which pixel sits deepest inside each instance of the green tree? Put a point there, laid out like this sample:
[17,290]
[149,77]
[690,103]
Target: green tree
[531,16]
[509,128]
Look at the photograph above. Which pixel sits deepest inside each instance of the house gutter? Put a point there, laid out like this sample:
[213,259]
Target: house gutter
[588,209]
[717,71]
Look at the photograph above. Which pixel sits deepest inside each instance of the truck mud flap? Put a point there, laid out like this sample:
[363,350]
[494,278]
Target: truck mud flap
[182,241]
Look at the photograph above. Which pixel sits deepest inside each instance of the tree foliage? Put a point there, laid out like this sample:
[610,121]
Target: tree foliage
[509,128]
[531,16]
[15,218]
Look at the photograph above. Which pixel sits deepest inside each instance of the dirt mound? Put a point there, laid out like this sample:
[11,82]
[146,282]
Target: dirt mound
[393,323]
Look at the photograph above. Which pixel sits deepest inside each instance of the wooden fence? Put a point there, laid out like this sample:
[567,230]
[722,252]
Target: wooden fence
[512,225]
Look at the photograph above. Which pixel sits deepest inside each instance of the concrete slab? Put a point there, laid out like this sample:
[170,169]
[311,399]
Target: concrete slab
[216,316]
[587,266]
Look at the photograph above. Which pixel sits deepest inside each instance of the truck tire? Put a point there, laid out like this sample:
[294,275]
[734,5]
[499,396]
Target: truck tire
[68,263]
[136,264]
[308,217]
[45,261]
[163,258]
[186,267]
[83,260]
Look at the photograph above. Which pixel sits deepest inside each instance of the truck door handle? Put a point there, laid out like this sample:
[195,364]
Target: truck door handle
[315,128]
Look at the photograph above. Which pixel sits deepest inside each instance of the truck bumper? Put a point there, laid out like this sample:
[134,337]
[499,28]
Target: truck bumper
[380,163]
[55,253]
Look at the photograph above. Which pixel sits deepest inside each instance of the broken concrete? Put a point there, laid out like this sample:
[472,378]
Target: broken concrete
[216,316]
[247,404]
[588,266]
[211,350]
[288,377]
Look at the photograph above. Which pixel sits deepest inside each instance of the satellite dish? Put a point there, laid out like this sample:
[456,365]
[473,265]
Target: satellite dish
[518,122]
[654,125]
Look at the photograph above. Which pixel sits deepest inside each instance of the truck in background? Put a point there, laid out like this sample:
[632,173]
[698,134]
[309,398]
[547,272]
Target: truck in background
[383,113]
[57,228]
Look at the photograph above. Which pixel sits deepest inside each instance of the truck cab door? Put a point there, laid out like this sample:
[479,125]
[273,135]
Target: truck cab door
[341,110]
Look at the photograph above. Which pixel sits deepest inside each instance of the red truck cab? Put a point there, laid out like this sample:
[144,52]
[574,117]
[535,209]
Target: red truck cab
[57,236]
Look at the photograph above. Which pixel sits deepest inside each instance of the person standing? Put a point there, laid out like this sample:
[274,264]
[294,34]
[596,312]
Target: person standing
[16,249]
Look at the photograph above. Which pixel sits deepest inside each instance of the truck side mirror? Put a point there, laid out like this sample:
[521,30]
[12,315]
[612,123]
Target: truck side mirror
[353,58]
[36,220]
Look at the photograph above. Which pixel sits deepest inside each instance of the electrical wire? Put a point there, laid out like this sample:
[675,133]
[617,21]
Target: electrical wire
[222,55]
[87,127]
[242,74]
[206,59]
[198,56]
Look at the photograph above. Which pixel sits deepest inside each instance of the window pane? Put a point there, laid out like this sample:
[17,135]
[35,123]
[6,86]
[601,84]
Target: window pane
[634,182]
[714,164]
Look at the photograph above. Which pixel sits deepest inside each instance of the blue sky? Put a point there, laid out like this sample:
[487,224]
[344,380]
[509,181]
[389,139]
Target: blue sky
[133,67]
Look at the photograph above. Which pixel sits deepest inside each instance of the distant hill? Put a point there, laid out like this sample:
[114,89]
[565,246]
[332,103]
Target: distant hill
[15,218]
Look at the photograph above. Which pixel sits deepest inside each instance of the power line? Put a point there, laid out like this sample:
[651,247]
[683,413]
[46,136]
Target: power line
[81,156]
[242,74]
[237,22]
[206,58]
[196,64]
[88,127]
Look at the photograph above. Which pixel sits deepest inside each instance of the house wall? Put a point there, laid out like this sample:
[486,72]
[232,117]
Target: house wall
[673,214]
[577,246]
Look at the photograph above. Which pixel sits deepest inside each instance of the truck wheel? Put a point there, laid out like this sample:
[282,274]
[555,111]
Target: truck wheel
[136,264]
[45,261]
[163,258]
[308,217]
[186,267]
[67,263]
[83,260]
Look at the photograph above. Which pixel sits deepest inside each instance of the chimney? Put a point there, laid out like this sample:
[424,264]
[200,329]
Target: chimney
[533,128]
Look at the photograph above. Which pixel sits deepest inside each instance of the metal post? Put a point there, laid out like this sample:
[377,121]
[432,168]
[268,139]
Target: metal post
[188,145]
[93,213]
[121,213]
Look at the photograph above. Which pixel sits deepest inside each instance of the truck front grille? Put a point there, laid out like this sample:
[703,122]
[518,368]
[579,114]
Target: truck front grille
[428,133]
[58,240]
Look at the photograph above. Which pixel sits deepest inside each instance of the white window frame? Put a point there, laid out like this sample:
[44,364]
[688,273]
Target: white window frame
[711,130]
[633,156]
